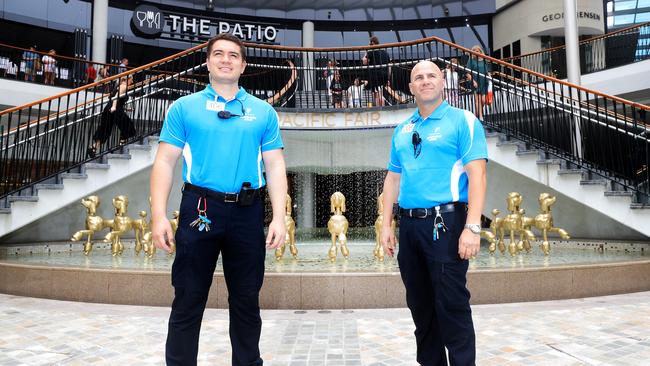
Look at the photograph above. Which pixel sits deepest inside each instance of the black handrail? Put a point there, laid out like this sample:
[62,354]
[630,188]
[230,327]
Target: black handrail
[607,136]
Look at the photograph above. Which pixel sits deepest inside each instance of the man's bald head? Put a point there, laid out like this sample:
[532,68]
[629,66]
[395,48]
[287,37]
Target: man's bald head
[426,84]
[425,65]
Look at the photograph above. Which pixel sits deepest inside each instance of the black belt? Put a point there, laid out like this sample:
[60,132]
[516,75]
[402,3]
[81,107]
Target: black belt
[220,196]
[423,213]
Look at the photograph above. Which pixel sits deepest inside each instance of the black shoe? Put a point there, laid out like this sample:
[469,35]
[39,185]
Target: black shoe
[91,152]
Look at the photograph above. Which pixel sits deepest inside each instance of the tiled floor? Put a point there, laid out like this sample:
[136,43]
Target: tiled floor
[613,330]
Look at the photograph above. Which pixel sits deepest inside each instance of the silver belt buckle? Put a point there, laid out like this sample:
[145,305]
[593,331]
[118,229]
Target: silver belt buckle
[226,199]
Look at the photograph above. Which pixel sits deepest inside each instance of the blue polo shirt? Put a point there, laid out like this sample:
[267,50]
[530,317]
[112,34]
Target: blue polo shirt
[221,154]
[451,138]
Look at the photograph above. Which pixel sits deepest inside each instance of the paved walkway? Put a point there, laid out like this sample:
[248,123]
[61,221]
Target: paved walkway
[612,330]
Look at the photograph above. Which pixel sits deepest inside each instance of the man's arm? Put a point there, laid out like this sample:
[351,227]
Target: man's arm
[391,190]
[160,185]
[276,181]
[469,243]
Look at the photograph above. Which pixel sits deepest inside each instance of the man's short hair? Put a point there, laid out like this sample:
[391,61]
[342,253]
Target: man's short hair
[228,37]
[374,40]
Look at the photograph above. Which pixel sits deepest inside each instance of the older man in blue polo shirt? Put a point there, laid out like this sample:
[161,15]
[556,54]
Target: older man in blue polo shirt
[437,174]
[227,138]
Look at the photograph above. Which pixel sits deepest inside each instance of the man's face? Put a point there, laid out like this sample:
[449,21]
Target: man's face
[225,61]
[426,82]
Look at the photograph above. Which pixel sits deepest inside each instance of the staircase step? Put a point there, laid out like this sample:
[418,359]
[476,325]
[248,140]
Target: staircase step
[73,175]
[619,193]
[97,166]
[49,186]
[118,156]
[526,152]
[587,182]
[570,171]
[640,206]
[22,198]
[5,210]
[139,147]
[510,143]
[549,161]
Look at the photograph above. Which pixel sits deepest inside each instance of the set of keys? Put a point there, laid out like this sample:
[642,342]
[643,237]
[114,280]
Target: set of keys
[202,221]
[438,224]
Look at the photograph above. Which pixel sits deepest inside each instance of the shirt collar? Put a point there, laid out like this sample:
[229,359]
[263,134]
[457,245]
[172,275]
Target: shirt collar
[211,94]
[437,114]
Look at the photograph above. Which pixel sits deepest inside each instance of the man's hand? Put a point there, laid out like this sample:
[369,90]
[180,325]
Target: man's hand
[468,244]
[388,240]
[161,231]
[277,234]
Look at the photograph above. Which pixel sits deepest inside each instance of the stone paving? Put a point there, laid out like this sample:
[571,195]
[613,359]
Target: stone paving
[612,330]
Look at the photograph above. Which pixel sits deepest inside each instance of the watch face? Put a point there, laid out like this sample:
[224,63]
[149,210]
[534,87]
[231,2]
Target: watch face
[476,229]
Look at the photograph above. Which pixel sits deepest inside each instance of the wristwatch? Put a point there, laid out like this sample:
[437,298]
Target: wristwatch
[475,228]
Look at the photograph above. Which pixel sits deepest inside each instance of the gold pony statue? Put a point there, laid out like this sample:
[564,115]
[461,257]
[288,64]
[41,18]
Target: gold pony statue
[147,241]
[378,252]
[544,221]
[140,228]
[290,238]
[338,226]
[497,233]
[514,224]
[94,223]
[121,225]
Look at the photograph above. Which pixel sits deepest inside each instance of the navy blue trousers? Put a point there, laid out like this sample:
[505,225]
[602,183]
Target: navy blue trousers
[237,233]
[435,278]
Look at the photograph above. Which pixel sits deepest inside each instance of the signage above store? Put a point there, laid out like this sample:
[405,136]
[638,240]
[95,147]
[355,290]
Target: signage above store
[150,22]
[579,14]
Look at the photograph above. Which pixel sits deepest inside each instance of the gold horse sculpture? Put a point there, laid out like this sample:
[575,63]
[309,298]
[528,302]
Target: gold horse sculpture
[147,238]
[514,224]
[338,226]
[378,252]
[544,221]
[121,225]
[94,223]
[290,237]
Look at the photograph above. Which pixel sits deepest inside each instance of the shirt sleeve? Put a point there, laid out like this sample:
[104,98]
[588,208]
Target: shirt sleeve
[471,140]
[272,139]
[173,130]
[394,165]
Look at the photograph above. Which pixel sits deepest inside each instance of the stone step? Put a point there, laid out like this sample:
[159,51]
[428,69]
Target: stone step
[118,156]
[640,206]
[73,175]
[102,166]
[48,186]
[570,171]
[22,199]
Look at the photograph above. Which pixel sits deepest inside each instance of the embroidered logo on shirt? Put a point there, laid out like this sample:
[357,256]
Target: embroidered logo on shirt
[408,128]
[436,135]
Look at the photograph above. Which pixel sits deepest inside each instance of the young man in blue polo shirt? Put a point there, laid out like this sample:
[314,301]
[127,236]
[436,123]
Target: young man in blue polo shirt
[437,175]
[227,138]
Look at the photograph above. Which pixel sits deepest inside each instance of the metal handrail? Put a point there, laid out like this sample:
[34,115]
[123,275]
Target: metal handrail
[546,113]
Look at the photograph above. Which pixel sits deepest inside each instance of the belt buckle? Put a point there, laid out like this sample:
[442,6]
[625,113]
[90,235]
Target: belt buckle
[418,217]
[231,200]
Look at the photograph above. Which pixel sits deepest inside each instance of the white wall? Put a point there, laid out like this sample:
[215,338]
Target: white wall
[527,18]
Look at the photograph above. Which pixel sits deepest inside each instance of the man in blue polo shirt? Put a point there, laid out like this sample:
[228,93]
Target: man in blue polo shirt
[437,175]
[227,138]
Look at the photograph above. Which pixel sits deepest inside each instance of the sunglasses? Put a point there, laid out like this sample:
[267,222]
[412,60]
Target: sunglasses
[417,146]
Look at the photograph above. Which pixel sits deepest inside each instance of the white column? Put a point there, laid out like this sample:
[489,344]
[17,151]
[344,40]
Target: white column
[100,30]
[308,57]
[573,67]
[571,41]
[305,200]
